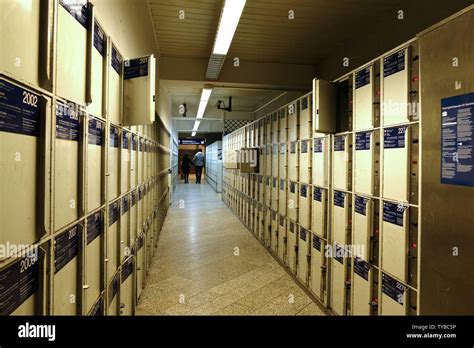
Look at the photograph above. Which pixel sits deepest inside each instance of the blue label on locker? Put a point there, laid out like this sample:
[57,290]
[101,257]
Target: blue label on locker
[394,138]
[116,60]
[282,184]
[317,145]
[282,220]
[134,197]
[125,139]
[96,132]
[303,234]
[362,77]
[340,143]
[66,247]
[292,227]
[114,211]
[20,110]
[304,103]
[293,147]
[393,288]
[361,205]
[134,142]
[282,149]
[124,204]
[363,141]
[304,190]
[361,268]
[97,310]
[113,287]
[99,39]
[292,187]
[339,198]
[393,213]
[457,140]
[316,242]
[18,282]
[127,269]
[114,136]
[134,68]
[67,123]
[304,146]
[317,194]
[338,253]
[94,226]
[394,63]
[78,9]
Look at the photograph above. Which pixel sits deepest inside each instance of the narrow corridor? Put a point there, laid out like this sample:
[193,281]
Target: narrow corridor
[208,263]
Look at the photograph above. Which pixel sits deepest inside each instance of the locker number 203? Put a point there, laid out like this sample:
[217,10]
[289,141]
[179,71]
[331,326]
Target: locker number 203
[30,99]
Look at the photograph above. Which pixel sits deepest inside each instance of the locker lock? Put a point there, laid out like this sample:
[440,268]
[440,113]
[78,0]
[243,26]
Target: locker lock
[122,305]
[348,283]
[374,304]
[85,286]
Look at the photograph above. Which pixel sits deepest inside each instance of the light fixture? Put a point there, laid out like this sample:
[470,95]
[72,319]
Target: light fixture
[206,93]
[196,125]
[193,134]
[227,25]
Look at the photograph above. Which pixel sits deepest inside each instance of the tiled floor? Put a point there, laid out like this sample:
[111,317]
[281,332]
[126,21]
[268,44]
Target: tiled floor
[196,270]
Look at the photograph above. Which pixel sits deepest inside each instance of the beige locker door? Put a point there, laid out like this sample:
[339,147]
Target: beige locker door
[261,132]
[114,162]
[125,168]
[94,168]
[292,207]
[274,232]
[126,287]
[340,217]
[320,161]
[24,115]
[261,224]
[293,162]
[133,161]
[362,226]
[341,162]
[394,297]
[261,189]
[395,84]
[112,239]
[133,216]
[283,126]
[394,239]
[303,252]
[305,162]
[71,50]
[396,163]
[282,161]
[338,281]
[282,201]
[140,255]
[292,121]
[364,163]
[275,127]
[99,52]
[291,243]
[125,242]
[268,129]
[66,293]
[267,227]
[361,287]
[268,191]
[112,295]
[363,98]
[256,219]
[317,264]
[261,160]
[275,192]
[67,177]
[318,215]
[115,87]
[305,118]
[282,238]
[304,205]
[93,261]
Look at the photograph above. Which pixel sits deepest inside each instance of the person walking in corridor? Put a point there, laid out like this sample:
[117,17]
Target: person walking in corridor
[186,167]
[198,161]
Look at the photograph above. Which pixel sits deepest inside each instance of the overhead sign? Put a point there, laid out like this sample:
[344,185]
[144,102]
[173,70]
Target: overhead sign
[191,141]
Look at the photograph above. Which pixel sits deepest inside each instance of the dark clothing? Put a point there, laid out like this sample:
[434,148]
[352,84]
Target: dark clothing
[186,168]
[198,174]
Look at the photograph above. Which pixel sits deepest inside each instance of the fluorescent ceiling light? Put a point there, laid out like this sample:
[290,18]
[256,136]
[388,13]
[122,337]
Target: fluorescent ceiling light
[193,134]
[206,93]
[196,125]
[227,25]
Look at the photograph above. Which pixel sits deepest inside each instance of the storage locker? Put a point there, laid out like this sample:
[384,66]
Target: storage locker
[282,238]
[93,258]
[261,160]
[361,287]
[95,167]
[133,161]
[292,205]
[275,127]
[305,117]
[133,215]
[395,87]
[261,131]
[292,112]
[127,297]
[261,188]
[113,163]
[256,219]
[318,213]
[340,219]
[275,193]
[125,227]
[338,280]
[364,158]
[304,206]
[291,245]
[268,159]
[24,118]
[394,239]
[112,233]
[139,253]
[320,161]
[282,201]
[68,178]
[283,125]
[268,129]
[363,98]
[362,226]
[112,295]
[125,168]
[318,267]
[396,142]
[71,50]
[275,155]
[115,86]
[324,106]
[293,162]
[305,162]
[394,297]
[268,191]
[267,226]
[282,162]
[67,265]
[140,208]
[304,244]
[274,232]
[341,162]
[97,73]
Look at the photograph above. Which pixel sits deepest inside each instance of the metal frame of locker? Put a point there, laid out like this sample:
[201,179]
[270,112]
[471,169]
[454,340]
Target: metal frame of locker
[318,269]
[304,254]
[305,117]
[292,245]
[305,161]
[282,238]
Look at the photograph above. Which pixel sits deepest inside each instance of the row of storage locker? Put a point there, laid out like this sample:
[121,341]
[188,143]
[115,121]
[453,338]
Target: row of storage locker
[214,165]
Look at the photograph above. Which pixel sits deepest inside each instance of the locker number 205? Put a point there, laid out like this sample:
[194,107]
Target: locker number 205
[30,99]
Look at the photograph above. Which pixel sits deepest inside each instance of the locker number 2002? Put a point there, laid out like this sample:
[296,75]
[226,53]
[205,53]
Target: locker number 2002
[30,99]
